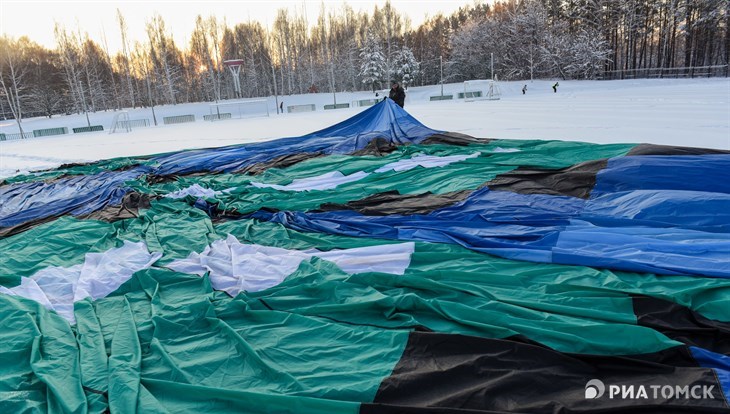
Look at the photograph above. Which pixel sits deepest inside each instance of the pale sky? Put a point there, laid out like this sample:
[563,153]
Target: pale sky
[36,19]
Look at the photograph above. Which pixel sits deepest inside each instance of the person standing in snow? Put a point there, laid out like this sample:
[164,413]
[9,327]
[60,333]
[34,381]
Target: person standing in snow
[555,87]
[524,89]
[397,94]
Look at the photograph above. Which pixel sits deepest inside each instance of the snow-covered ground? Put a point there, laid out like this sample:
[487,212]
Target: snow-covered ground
[684,112]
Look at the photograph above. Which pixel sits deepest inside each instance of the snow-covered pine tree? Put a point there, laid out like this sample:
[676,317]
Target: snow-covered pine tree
[471,46]
[589,52]
[407,67]
[372,67]
[527,32]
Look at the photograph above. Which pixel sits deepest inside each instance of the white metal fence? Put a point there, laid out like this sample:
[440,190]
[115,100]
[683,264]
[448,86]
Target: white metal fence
[683,72]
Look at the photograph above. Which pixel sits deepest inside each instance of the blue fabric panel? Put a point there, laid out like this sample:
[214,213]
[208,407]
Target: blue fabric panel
[77,195]
[632,231]
[508,207]
[232,158]
[384,120]
[85,194]
[644,249]
[720,363]
[509,224]
[697,210]
[710,173]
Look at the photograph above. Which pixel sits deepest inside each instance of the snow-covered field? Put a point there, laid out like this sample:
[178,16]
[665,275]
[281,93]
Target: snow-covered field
[684,112]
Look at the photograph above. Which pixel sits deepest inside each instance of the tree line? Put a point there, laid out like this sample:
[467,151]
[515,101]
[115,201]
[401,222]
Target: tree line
[347,50]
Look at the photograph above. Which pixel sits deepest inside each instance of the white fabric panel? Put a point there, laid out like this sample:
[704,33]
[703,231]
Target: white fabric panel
[235,267]
[28,288]
[500,149]
[57,284]
[386,258]
[57,288]
[330,180]
[103,273]
[326,181]
[194,190]
[426,161]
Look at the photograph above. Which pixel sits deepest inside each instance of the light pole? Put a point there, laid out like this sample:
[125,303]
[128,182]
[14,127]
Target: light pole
[441,60]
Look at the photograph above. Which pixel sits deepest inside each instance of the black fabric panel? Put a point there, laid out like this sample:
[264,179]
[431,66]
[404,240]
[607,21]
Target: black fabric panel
[13,230]
[129,208]
[213,210]
[374,408]
[84,164]
[452,373]
[651,149]
[574,181]
[281,161]
[168,178]
[131,203]
[378,147]
[682,324]
[392,202]
[160,178]
[454,138]
[74,164]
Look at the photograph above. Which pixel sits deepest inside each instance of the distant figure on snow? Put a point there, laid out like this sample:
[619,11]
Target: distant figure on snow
[555,87]
[281,107]
[524,89]
[397,94]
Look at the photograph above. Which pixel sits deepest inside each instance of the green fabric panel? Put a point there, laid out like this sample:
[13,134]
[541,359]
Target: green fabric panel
[178,397]
[274,234]
[523,293]
[562,154]
[85,169]
[454,265]
[469,174]
[211,340]
[704,295]
[554,154]
[39,360]
[171,227]
[92,356]
[347,362]
[166,342]
[405,302]
[208,339]
[62,242]
[124,364]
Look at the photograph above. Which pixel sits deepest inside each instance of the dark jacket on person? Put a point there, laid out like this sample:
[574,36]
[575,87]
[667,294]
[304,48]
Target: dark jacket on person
[398,95]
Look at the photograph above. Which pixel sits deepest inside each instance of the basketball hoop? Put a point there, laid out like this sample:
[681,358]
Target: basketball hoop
[234,65]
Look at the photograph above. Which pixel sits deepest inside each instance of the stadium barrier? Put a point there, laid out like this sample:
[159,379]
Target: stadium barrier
[367,102]
[92,128]
[179,119]
[337,106]
[49,131]
[470,94]
[301,108]
[216,117]
[10,137]
[441,98]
